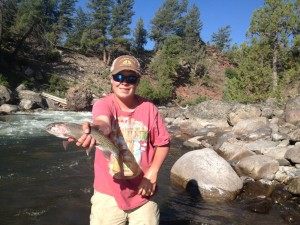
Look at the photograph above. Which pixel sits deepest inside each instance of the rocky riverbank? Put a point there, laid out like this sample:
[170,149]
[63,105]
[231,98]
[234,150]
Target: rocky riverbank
[237,151]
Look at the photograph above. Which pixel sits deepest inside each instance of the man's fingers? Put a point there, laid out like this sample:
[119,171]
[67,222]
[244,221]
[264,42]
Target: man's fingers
[87,141]
[93,142]
[146,189]
[86,127]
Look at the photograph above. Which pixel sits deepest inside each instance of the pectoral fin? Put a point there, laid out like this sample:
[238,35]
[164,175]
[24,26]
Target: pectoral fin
[65,144]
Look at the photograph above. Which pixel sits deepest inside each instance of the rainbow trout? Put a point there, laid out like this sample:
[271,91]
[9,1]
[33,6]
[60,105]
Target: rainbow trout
[73,130]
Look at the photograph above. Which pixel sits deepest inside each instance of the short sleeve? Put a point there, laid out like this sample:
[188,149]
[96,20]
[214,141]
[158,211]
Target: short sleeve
[159,133]
[101,107]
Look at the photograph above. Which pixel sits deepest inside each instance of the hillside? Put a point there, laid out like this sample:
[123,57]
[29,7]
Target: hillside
[92,73]
[89,71]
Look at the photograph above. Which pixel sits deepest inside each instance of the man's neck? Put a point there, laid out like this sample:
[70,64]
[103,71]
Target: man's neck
[127,105]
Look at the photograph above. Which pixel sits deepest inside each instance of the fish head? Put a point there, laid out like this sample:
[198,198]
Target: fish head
[59,130]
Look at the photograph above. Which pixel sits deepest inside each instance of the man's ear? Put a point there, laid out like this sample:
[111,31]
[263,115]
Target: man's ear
[138,82]
[111,79]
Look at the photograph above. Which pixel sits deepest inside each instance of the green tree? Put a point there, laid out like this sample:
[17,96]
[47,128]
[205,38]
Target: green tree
[165,66]
[96,35]
[33,19]
[251,81]
[64,19]
[193,26]
[80,23]
[168,20]
[122,13]
[222,39]
[8,10]
[193,49]
[140,37]
[274,25]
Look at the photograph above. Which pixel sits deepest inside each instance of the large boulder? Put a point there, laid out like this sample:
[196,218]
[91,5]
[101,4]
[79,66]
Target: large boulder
[209,172]
[241,112]
[257,167]
[7,108]
[292,116]
[293,103]
[79,98]
[251,125]
[293,154]
[5,95]
[212,109]
[294,186]
[30,100]
[234,151]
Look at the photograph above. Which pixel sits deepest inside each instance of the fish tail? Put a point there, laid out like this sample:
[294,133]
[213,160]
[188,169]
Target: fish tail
[118,166]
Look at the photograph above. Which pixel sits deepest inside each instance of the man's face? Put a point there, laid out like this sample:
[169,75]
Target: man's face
[124,84]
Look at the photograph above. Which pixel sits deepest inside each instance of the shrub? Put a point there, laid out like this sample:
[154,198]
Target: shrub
[3,81]
[57,86]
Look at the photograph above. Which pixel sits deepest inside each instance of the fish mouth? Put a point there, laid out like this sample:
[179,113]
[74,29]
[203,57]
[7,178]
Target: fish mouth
[57,129]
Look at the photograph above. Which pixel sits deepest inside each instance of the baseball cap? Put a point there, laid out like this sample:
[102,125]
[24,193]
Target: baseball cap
[125,62]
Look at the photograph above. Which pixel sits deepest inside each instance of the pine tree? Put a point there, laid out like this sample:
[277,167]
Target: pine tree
[168,20]
[96,36]
[34,19]
[122,13]
[193,48]
[8,10]
[222,39]
[64,19]
[251,80]
[274,25]
[140,37]
[80,23]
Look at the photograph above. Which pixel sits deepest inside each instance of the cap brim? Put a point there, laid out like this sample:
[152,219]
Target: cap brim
[127,69]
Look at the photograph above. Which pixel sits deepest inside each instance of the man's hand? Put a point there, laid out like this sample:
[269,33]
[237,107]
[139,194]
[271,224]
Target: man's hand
[148,184]
[86,140]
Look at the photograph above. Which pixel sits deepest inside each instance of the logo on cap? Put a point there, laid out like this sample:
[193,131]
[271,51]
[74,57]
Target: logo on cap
[126,63]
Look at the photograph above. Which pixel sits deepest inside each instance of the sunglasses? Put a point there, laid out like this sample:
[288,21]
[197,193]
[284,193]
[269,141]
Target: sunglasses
[131,79]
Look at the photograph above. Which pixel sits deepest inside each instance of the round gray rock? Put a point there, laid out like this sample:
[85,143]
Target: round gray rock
[215,178]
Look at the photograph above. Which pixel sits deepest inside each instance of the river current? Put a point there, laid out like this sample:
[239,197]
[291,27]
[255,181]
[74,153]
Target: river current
[43,184]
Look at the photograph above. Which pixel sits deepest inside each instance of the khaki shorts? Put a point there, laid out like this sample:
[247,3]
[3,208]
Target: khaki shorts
[105,211]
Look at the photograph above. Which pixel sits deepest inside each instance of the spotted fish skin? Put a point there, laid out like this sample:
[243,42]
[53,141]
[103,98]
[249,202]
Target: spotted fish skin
[74,130]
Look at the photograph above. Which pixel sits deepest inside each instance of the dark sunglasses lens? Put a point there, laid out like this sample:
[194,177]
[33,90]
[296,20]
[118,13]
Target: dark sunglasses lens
[118,77]
[128,79]
[131,79]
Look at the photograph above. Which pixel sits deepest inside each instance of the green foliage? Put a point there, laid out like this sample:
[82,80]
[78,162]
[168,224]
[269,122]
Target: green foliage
[140,37]
[231,73]
[57,86]
[251,81]
[168,20]
[275,26]
[52,56]
[147,90]
[122,13]
[3,81]
[222,39]
[76,35]
[191,102]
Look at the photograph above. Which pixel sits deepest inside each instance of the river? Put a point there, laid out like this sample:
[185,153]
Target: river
[43,184]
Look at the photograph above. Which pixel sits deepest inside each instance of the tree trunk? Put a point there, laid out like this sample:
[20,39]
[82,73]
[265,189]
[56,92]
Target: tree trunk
[104,56]
[1,23]
[274,69]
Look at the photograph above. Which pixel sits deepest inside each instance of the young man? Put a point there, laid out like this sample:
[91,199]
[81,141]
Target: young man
[137,129]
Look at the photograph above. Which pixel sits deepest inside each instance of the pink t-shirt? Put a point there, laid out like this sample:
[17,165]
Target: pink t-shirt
[135,134]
